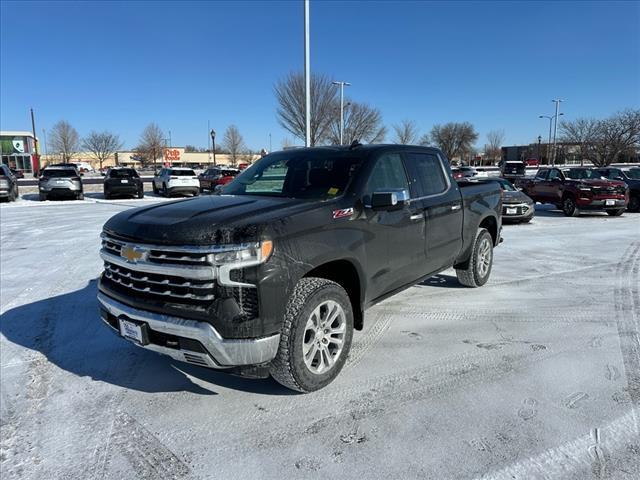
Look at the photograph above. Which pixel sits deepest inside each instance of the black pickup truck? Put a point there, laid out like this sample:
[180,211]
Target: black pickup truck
[273,275]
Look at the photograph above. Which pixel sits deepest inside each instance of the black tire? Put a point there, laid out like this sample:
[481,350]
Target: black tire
[13,195]
[165,191]
[569,207]
[80,196]
[141,193]
[196,193]
[288,367]
[154,188]
[527,220]
[107,195]
[615,213]
[43,197]
[478,272]
[634,203]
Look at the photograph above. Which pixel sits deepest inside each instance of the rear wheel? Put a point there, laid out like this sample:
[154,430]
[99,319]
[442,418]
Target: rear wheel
[615,213]
[316,336]
[569,206]
[43,197]
[479,267]
[141,193]
[154,188]
[14,194]
[165,191]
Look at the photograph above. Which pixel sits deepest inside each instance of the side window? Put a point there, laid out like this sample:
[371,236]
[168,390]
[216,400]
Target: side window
[554,174]
[427,174]
[542,174]
[388,173]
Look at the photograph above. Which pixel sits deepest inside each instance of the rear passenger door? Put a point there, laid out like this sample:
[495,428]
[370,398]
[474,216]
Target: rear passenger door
[434,194]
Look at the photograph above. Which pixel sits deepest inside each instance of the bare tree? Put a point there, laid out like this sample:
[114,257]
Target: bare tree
[233,143]
[406,133]
[454,139]
[603,141]
[361,122]
[493,148]
[64,140]
[582,132]
[290,95]
[102,145]
[151,143]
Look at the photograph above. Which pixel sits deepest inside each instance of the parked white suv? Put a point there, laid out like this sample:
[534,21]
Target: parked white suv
[176,180]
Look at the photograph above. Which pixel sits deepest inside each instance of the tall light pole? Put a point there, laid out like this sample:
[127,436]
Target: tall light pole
[307,78]
[342,85]
[555,128]
[551,118]
[213,140]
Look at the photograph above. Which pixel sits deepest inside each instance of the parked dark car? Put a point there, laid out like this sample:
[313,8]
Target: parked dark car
[273,276]
[8,184]
[512,171]
[517,207]
[630,176]
[212,177]
[123,182]
[60,180]
[457,173]
[576,189]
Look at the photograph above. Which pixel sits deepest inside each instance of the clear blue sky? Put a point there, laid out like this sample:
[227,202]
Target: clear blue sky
[121,65]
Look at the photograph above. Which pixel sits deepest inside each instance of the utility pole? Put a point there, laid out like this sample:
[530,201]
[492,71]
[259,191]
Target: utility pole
[342,85]
[307,77]
[555,129]
[35,168]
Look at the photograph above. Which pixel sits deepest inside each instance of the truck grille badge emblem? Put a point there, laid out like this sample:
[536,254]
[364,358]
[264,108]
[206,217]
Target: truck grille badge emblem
[132,254]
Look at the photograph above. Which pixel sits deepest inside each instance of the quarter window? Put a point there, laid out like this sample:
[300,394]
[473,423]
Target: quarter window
[542,174]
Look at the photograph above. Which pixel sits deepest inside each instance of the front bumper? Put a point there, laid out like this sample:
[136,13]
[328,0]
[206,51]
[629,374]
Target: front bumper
[600,204]
[183,190]
[523,211]
[189,340]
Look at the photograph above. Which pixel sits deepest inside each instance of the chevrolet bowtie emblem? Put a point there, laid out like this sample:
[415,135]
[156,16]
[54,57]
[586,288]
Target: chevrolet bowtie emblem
[132,254]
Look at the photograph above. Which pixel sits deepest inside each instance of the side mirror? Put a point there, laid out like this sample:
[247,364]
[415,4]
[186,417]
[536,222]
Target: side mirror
[389,200]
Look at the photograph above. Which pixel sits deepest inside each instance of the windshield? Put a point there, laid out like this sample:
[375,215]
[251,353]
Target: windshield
[61,172]
[123,173]
[633,173]
[582,174]
[506,186]
[182,173]
[308,175]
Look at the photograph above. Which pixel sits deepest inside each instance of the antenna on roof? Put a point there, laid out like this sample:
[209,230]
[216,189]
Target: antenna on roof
[355,144]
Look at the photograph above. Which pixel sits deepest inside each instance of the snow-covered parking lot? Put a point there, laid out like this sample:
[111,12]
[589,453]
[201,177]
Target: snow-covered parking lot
[535,375]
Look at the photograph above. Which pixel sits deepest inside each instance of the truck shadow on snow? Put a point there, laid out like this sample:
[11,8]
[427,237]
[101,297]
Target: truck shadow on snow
[68,331]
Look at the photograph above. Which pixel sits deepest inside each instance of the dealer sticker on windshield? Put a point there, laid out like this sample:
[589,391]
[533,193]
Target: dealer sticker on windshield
[343,212]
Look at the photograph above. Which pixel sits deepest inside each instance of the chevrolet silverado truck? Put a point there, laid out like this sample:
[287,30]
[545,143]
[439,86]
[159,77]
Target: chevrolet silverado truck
[272,276]
[576,189]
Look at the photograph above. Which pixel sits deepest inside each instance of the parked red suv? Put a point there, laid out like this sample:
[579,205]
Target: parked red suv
[215,176]
[576,189]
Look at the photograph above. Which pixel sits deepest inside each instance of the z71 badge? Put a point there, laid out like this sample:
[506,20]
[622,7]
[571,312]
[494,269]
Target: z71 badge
[343,212]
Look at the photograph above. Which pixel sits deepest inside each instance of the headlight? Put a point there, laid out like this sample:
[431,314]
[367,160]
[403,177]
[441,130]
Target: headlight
[241,258]
[256,254]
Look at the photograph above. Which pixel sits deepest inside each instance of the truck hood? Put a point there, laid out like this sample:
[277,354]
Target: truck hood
[203,220]
[599,183]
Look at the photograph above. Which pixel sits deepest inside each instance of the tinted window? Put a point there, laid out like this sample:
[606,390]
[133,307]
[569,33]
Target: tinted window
[388,173]
[182,173]
[123,173]
[581,173]
[554,174]
[542,174]
[430,179]
[212,172]
[59,172]
[634,173]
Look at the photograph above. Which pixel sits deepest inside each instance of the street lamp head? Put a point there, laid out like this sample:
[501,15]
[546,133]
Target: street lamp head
[213,134]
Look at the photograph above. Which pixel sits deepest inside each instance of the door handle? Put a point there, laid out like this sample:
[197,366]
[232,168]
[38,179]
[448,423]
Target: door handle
[456,207]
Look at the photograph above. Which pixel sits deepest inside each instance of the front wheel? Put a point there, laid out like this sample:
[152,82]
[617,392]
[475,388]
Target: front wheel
[43,197]
[569,207]
[80,196]
[165,191]
[141,193]
[154,188]
[634,204]
[316,336]
[479,267]
[615,213]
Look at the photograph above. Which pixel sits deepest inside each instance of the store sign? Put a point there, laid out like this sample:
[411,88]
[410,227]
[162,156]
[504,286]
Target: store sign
[171,154]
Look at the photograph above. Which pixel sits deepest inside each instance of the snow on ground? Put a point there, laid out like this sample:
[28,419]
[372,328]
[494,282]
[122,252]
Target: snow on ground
[535,375]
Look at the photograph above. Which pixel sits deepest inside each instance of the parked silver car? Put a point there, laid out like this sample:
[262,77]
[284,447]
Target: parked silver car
[60,181]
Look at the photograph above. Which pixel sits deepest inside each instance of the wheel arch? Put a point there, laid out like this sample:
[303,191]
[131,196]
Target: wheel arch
[346,274]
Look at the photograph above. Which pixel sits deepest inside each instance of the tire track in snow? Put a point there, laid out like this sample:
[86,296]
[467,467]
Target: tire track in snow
[362,344]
